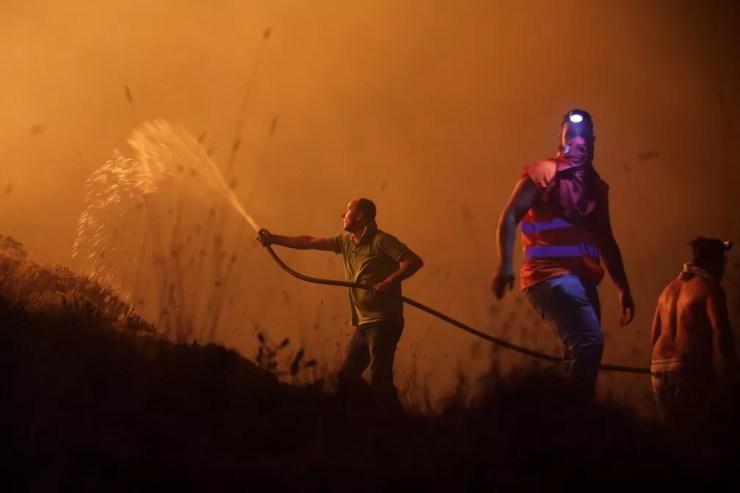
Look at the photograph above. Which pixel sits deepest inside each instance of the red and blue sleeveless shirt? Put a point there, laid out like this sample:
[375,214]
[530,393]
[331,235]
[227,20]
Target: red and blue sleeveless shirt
[554,245]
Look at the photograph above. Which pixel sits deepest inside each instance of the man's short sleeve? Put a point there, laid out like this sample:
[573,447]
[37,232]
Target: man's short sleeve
[337,243]
[390,245]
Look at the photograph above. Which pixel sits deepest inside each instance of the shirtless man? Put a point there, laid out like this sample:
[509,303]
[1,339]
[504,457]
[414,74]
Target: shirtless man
[691,313]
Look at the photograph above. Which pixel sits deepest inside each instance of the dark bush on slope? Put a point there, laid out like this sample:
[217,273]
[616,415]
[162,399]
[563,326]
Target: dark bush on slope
[88,406]
[59,290]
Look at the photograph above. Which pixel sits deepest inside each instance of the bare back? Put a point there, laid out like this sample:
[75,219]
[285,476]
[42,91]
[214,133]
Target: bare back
[688,316]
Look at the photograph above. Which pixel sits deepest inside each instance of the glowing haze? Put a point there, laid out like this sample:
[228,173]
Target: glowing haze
[430,108]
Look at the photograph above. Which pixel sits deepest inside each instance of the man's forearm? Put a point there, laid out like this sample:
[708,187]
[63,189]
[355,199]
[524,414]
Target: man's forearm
[298,242]
[406,269]
[505,235]
[615,267]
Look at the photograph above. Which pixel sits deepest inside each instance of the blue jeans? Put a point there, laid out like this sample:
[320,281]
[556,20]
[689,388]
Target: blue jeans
[574,312]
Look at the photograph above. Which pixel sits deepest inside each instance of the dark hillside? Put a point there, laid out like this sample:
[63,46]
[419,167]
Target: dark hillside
[90,403]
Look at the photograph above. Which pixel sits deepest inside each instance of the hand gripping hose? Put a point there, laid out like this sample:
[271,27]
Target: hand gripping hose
[448,319]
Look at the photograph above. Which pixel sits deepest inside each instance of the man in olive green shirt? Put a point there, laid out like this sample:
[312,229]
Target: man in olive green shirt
[371,258]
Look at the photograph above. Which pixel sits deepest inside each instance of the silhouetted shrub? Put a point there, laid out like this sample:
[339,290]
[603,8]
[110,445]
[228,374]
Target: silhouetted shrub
[58,290]
[86,406]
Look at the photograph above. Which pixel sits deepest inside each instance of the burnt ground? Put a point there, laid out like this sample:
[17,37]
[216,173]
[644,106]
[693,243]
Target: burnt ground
[92,400]
[87,407]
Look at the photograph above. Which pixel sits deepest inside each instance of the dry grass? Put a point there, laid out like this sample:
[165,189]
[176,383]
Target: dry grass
[90,406]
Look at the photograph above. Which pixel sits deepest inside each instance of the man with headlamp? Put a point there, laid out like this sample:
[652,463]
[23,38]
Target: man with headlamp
[562,205]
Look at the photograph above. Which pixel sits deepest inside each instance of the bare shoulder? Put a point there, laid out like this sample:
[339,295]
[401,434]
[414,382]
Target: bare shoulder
[670,292]
[541,172]
[695,290]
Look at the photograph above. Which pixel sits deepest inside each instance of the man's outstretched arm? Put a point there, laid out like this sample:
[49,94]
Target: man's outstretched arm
[612,260]
[521,200]
[266,238]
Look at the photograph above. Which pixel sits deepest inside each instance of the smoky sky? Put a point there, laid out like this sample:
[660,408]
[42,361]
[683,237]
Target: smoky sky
[431,108]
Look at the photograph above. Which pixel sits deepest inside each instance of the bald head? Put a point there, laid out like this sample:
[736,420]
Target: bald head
[367,208]
[359,213]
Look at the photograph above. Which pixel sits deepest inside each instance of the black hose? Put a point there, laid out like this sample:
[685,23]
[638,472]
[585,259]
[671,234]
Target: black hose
[448,319]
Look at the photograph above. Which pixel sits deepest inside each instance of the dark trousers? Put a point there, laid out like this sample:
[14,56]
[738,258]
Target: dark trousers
[373,345]
[682,395]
